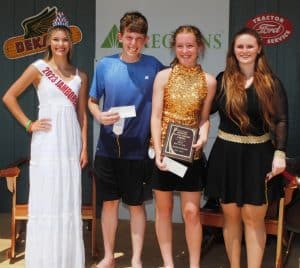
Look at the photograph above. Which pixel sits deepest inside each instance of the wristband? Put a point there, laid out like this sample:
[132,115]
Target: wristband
[27,126]
[279,154]
[30,128]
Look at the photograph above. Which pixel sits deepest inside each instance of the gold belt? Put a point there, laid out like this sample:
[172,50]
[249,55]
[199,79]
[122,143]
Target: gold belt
[243,139]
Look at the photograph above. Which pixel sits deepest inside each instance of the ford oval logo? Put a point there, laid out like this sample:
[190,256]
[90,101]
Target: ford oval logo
[272,28]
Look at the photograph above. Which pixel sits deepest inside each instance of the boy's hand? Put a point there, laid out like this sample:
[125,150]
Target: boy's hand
[108,118]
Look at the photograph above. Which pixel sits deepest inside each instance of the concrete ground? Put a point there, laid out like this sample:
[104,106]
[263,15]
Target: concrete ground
[214,255]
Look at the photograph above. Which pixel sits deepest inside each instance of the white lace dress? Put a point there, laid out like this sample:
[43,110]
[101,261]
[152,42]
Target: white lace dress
[54,230]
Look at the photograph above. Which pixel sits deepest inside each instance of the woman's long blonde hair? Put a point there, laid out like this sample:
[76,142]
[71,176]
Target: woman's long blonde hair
[233,85]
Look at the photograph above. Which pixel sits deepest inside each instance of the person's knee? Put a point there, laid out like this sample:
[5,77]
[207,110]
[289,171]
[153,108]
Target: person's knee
[254,217]
[191,215]
[232,214]
[164,210]
[110,205]
[252,221]
[136,210]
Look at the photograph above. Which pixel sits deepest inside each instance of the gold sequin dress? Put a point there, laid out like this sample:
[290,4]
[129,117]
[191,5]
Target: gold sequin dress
[184,95]
[183,98]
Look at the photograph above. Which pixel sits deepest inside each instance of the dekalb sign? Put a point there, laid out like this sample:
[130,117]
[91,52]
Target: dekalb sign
[33,40]
[272,28]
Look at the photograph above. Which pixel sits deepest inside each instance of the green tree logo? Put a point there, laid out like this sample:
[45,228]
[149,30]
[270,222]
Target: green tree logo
[111,40]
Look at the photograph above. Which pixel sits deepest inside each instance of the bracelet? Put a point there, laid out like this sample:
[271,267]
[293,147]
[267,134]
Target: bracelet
[30,128]
[279,154]
[27,126]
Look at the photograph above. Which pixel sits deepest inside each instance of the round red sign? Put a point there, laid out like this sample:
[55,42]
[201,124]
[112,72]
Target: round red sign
[272,28]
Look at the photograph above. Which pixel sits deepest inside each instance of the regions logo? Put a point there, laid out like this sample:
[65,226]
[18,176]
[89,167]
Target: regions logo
[35,35]
[272,28]
[111,40]
[158,40]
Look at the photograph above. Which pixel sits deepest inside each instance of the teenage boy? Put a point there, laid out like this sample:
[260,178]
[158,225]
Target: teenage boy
[125,82]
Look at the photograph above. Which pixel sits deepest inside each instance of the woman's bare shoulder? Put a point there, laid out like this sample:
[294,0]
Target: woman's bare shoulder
[163,74]
[210,79]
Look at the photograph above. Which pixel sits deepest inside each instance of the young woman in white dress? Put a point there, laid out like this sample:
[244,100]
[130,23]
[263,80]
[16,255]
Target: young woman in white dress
[58,152]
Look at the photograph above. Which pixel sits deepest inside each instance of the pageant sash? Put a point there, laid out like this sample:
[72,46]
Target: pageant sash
[61,85]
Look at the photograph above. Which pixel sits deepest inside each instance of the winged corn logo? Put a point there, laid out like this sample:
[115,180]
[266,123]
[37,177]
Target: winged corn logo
[33,40]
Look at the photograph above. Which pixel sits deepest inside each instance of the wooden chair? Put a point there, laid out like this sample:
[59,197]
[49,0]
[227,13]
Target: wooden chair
[292,223]
[274,226]
[11,175]
[89,212]
[292,216]
[20,211]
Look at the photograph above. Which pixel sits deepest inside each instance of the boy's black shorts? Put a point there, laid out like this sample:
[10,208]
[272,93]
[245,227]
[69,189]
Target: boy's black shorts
[123,179]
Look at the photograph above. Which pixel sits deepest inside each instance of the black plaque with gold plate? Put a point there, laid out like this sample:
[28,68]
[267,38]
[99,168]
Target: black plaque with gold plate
[178,142]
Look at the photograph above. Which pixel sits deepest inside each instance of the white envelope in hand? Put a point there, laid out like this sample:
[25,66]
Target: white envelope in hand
[124,111]
[175,167]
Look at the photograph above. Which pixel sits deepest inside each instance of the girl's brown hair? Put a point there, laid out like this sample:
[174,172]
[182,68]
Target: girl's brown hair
[233,85]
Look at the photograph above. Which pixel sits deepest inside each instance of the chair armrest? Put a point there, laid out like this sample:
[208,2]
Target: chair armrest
[10,172]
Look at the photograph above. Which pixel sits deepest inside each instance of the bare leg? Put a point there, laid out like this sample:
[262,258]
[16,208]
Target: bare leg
[137,225]
[163,225]
[109,223]
[190,205]
[232,232]
[255,233]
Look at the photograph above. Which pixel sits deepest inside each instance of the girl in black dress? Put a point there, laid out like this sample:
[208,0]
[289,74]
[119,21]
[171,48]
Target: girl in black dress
[245,163]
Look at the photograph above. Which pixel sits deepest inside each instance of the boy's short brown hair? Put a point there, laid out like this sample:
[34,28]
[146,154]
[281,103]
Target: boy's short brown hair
[134,21]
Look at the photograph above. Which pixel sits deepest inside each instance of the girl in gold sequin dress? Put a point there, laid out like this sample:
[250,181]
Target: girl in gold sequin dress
[182,95]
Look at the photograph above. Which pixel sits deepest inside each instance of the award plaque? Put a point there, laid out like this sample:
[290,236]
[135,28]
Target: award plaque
[178,142]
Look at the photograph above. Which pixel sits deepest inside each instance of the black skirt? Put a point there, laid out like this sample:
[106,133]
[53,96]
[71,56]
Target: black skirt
[236,173]
[193,180]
